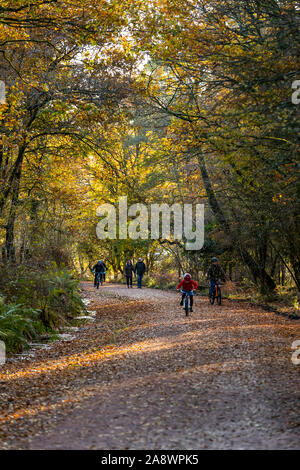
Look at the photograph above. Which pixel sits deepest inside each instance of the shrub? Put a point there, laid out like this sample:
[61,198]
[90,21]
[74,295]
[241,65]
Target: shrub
[18,324]
[34,301]
[162,280]
[62,302]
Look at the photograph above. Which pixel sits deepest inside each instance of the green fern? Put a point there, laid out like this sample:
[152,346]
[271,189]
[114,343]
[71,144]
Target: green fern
[35,302]
[18,325]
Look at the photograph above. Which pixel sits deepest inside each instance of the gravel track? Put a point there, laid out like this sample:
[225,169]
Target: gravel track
[149,378]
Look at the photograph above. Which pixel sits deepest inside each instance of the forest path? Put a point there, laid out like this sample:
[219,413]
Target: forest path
[143,376]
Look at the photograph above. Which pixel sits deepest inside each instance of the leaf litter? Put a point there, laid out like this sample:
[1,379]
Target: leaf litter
[144,376]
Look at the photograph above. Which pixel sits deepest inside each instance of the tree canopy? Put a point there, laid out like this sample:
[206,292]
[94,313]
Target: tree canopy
[163,101]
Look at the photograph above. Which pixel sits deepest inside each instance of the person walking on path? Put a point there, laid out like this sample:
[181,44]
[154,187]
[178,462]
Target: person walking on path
[129,270]
[139,270]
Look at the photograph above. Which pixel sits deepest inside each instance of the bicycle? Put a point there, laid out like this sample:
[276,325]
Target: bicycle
[102,278]
[97,280]
[186,303]
[217,294]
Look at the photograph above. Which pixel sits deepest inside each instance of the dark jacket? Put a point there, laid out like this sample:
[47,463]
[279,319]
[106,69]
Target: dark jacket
[215,272]
[100,267]
[140,268]
[129,269]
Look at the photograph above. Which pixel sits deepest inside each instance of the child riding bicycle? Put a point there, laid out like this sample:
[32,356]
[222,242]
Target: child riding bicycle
[187,286]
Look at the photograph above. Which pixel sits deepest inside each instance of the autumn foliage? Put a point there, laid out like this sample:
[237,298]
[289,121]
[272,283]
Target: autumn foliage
[164,101]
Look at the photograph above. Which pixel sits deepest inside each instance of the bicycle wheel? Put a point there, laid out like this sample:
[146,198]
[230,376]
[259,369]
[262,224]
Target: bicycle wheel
[212,298]
[186,305]
[219,297]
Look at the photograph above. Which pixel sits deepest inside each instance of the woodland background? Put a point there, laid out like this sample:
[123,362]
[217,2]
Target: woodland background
[162,101]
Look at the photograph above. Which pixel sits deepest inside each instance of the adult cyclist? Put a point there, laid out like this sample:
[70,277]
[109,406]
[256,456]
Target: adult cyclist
[99,269]
[214,273]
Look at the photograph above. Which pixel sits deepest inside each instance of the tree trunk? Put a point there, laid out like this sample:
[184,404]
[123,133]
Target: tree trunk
[13,186]
[10,227]
[282,274]
[14,178]
[230,271]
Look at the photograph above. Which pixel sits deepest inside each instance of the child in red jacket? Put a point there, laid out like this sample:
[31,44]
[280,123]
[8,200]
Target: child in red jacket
[187,288]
